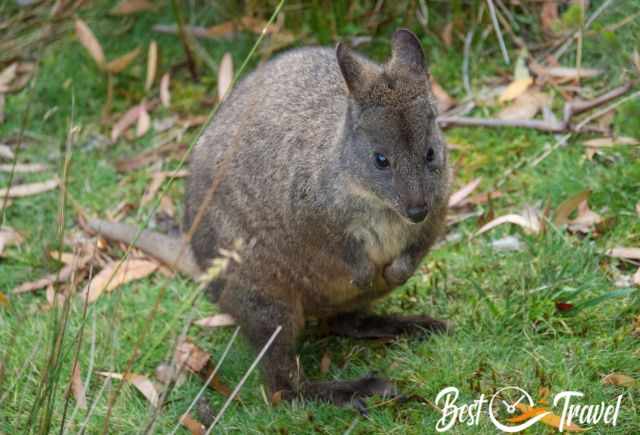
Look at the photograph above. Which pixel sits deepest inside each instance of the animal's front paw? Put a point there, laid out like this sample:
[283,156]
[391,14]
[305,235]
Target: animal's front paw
[399,271]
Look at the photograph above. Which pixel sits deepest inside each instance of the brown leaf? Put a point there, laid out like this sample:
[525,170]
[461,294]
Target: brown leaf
[563,307]
[165,95]
[89,41]
[8,237]
[610,141]
[144,122]
[29,189]
[567,206]
[7,76]
[225,75]
[126,121]
[529,220]
[515,89]
[141,382]
[586,219]
[193,425]
[526,106]
[118,65]
[458,197]
[445,102]
[325,363]
[624,253]
[157,179]
[551,419]
[216,321]
[78,387]
[23,168]
[114,274]
[618,379]
[152,65]
[127,7]
[4,301]
[191,356]
[63,257]
[62,276]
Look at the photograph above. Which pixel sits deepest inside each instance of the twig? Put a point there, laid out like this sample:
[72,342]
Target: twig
[184,38]
[244,379]
[496,26]
[465,63]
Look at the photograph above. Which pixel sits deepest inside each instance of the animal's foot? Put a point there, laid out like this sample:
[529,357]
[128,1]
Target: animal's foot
[357,325]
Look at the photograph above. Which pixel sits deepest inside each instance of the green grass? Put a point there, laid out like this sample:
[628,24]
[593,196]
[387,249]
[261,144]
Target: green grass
[508,330]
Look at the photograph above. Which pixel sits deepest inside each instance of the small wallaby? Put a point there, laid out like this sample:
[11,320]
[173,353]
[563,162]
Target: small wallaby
[332,172]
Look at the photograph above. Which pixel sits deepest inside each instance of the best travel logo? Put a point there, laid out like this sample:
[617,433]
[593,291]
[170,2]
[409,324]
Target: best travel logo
[512,409]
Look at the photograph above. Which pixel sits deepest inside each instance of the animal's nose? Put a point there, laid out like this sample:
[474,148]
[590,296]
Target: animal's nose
[417,214]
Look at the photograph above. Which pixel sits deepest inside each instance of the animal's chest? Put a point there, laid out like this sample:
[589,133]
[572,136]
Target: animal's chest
[383,236]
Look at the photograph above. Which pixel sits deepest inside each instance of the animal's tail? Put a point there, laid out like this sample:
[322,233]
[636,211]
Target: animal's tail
[174,252]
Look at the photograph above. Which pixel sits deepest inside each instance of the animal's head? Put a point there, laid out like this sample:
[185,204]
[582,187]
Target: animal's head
[394,149]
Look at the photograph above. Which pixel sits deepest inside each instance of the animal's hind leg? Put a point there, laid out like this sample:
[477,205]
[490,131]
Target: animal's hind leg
[370,326]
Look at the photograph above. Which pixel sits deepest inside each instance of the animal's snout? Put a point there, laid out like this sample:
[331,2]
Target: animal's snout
[417,214]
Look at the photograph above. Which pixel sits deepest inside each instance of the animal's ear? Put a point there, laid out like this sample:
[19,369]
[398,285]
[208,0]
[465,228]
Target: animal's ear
[353,69]
[407,52]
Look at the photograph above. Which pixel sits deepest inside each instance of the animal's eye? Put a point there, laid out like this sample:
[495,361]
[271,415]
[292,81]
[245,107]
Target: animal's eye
[431,155]
[381,161]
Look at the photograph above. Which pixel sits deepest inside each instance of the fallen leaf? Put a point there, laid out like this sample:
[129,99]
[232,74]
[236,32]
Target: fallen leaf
[78,387]
[610,141]
[447,34]
[62,276]
[550,419]
[29,189]
[8,237]
[1,108]
[567,73]
[529,220]
[638,209]
[141,382]
[89,41]
[625,253]
[157,179]
[618,379]
[585,220]
[152,65]
[126,121]
[483,198]
[526,106]
[193,425]
[325,363]
[4,301]
[128,7]
[144,122]
[216,321]
[567,206]
[23,168]
[7,75]
[636,60]
[115,274]
[191,356]
[118,65]
[63,257]
[564,307]
[459,196]
[6,153]
[165,95]
[445,102]
[225,75]
[522,81]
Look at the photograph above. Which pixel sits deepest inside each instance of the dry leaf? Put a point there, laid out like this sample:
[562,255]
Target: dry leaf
[216,321]
[526,106]
[126,121]
[152,65]
[78,387]
[529,220]
[625,253]
[567,73]
[89,41]
[119,64]
[521,81]
[445,102]
[8,237]
[115,274]
[638,209]
[29,189]
[549,419]
[157,179]
[225,75]
[508,243]
[447,34]
[144,122]
[127,7]
[585,220]
[4,301]
[142,383]
[567,206]
[6,153]
[191,356]
[165,95]
[610,141]
[1,108]
[618,379]
[23,168]
[325,363]
[193,425]
[636,60]
[7,76]
[63,257]
[63,275]
[458,197]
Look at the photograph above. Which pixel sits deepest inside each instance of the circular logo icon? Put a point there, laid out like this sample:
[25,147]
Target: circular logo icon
[504,405]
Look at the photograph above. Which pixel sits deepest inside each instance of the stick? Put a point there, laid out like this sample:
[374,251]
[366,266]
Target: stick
[496,26]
